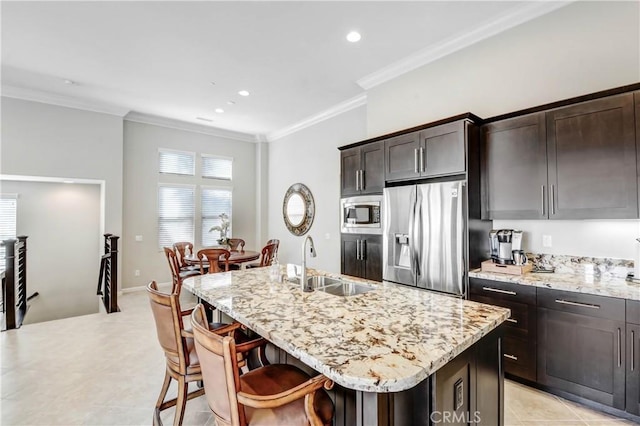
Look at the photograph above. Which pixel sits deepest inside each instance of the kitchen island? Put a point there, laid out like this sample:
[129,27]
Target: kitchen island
[398,355]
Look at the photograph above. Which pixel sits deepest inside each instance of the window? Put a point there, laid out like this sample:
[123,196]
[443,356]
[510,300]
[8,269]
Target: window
[217,167]
[176,214]
[215,201]
[176,162]
[8,208]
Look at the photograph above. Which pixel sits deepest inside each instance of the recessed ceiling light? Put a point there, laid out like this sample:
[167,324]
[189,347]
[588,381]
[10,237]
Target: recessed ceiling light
[69,82]
[204,119]
[354,36]
[243,93]
[231,103]
[213,83]
[219,110]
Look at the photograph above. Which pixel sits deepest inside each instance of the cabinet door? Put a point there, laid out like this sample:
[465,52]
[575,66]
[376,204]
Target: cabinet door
[633,369]
[443,150]
[372,247]
[349,166]
[372,159]
[514,168]
[592,160]
[351,264]
[401,154]
[582,355]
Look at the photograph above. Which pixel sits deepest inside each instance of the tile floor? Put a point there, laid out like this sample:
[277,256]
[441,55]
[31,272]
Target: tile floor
[107,370]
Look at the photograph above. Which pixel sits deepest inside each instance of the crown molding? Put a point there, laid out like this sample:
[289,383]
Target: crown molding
[139,117]
[439,50]
[335,110]
[61,100]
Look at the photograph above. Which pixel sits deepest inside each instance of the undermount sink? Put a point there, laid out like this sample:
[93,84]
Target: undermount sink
[334,286]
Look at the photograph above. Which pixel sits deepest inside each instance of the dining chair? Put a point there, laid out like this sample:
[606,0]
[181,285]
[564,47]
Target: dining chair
[267,255]
[183,249]
[236,244]
[275,394]
[214,257]
[176,274]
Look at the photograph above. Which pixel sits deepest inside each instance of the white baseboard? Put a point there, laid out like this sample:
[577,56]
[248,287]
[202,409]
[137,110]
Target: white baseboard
[140,288]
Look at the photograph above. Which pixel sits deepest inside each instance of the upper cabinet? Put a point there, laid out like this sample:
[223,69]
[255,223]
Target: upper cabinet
[435,151]
[362,169]
[592,160]
[574,162]
[514,165]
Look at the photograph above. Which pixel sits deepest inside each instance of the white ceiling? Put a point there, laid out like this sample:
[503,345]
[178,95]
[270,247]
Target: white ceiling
[159,58]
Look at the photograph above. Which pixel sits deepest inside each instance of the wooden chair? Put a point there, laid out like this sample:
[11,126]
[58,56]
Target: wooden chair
[176,274]
[236,244]
[214,256]
[273,394]
[267,255]
[182,249]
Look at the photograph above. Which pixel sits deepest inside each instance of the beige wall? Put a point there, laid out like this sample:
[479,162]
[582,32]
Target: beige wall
[311,157]
[579,49]
[141,179]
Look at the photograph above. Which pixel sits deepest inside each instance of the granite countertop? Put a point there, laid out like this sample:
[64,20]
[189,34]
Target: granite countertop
[609,286]
[387,340]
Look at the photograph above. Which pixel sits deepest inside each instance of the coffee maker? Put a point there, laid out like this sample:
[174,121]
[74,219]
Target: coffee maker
[503,242]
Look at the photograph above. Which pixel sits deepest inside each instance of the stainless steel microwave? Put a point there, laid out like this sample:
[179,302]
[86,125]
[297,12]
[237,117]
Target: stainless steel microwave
[361,215]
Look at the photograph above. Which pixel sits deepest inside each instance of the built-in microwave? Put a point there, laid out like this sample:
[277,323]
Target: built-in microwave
[361,215]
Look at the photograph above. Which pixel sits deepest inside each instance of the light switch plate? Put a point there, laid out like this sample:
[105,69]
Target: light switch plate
[458,395]
[138,238]
[546,241]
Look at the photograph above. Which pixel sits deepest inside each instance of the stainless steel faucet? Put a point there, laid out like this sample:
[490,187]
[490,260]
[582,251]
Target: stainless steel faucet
[304,285]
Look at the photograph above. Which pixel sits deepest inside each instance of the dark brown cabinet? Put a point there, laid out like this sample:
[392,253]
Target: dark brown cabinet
[519,346]
[362,256]
[592,160]
[432,152]
[581,345]
[362,169]
[514,166]
[574,162]
[633,357]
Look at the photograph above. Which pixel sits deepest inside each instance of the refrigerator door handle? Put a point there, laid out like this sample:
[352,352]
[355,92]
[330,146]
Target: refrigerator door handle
[412,223]
[417,232]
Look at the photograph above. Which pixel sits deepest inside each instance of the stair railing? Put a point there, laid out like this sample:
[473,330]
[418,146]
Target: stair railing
[14,283]
[108,278]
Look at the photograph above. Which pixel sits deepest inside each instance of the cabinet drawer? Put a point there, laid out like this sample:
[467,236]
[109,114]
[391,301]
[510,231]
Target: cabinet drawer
[522,321]
[582,304]
[633,312]
[519,357]
[503,291]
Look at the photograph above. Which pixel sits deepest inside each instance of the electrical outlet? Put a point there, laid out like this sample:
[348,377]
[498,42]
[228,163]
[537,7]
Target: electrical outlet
[137,272]
[546,241]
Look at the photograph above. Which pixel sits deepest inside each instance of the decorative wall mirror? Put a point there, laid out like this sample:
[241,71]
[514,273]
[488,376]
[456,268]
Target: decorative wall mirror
[298,209]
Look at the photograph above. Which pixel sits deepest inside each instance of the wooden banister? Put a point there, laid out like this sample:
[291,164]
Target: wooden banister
[108,278]
[14,283]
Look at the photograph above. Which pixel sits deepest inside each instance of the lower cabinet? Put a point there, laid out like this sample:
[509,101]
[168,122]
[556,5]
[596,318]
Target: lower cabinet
[519,344]
[633,357]
[581,345]
[362,256]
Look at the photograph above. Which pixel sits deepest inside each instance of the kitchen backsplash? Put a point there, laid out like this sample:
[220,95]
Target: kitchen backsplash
[563,264]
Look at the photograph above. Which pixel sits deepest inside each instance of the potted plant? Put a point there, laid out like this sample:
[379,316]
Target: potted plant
[223,228]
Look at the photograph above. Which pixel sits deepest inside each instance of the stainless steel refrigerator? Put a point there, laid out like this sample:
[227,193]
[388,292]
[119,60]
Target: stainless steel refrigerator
[425,236]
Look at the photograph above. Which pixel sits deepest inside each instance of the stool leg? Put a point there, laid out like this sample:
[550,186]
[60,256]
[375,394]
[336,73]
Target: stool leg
[181,403]
[163,394]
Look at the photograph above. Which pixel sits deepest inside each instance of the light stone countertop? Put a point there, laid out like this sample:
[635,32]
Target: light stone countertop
[387,340]
[575,282]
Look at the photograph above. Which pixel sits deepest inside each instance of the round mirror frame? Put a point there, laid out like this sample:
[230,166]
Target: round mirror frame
[309,209]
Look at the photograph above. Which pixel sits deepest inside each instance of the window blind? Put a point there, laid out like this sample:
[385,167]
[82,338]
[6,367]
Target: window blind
[176,213]
[215,201]
[217,167]
[8,219]
[176,162]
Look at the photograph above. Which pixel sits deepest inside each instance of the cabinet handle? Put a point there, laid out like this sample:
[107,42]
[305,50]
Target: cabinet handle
[633,350]
[357,249]
[542,187]
[415,160]
[553,203]
[515,321]
[497,290]
[582,305]
[619,348]
[363,249]
[422,160]
[357,180]
[362,185]
[512,357]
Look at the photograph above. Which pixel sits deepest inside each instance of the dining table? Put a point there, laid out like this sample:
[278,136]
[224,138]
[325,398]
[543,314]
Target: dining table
[235,258]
